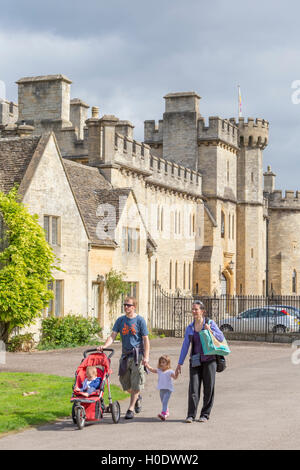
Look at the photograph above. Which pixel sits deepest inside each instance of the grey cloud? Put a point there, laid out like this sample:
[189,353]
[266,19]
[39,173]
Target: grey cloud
[125,56]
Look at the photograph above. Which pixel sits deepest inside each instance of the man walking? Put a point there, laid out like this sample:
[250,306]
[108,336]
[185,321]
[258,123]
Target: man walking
[135,353]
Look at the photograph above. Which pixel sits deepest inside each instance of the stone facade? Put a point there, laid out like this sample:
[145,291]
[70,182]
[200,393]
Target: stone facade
[207,216]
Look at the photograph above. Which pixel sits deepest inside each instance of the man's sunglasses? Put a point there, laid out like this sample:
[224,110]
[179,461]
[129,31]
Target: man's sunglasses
[128,305]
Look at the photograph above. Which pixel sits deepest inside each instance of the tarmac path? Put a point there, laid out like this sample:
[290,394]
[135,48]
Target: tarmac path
[256,405]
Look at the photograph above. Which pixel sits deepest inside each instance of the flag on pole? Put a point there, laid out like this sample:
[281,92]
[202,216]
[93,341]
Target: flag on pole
[240,102]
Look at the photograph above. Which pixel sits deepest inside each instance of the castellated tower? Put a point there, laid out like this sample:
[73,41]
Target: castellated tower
[217,162]
[175,139]
[251,220]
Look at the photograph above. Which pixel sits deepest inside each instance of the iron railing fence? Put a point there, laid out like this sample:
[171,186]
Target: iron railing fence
[172,312]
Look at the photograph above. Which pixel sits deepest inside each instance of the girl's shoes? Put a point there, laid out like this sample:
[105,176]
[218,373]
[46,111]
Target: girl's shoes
[163,415]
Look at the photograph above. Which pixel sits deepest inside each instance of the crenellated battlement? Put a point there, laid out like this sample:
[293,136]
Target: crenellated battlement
[217,129]
[137,156]
[153,132]
[290,201]
[253,132]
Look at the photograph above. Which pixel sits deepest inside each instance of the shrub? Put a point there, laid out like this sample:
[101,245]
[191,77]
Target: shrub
[21,343]
[68,331]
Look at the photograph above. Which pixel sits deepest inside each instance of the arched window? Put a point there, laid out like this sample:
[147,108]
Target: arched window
[184,276]
[176,275]
[294,282]
[222,224]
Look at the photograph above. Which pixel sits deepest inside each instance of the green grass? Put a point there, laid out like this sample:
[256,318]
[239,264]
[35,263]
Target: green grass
[52,400]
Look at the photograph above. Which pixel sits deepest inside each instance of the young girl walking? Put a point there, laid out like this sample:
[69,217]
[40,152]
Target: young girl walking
[165,383]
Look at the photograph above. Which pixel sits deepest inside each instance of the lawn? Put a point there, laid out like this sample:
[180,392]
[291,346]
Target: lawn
[50,400]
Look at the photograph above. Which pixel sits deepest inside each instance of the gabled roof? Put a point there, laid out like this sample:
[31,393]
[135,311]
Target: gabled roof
[15,157]
[92,190]
[19,159]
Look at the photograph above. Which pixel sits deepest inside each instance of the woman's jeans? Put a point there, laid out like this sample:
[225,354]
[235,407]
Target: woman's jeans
[165,397]
[206,374]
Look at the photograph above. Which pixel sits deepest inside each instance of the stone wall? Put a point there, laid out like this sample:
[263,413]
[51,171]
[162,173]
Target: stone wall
[72,251]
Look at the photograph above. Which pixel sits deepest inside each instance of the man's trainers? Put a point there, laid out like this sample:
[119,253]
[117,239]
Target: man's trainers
[189,419]
[203,419]
[129,414]
[138,405]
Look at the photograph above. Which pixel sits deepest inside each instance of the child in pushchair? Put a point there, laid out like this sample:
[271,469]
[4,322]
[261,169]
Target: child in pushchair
[88,389]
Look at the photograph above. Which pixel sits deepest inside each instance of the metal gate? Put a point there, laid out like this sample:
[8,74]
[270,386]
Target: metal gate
[171,313]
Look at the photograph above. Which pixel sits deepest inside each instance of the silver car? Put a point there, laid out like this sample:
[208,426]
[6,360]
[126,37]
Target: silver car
[263,320]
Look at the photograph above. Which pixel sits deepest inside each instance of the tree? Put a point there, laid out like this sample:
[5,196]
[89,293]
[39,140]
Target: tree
[26,263]
[116,287]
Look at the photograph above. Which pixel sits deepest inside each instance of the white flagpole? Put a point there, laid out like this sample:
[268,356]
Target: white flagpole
[240,102]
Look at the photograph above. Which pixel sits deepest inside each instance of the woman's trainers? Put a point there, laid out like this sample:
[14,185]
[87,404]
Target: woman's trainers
[162,416]
[189,419]
[203,419]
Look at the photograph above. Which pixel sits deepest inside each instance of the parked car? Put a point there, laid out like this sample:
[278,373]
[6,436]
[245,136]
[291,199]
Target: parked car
[289,309]
[262,319]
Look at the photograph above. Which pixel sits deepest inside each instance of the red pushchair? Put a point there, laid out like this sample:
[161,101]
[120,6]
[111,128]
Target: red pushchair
[92,408]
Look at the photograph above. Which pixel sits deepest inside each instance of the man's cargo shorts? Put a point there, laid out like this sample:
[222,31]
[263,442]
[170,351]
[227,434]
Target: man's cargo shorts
[134,377]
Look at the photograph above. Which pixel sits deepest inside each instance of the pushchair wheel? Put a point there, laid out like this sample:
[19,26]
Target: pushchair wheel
[116,411]
[80,416]
[73,414]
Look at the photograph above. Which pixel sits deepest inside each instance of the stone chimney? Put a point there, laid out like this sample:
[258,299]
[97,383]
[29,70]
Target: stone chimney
[24,130]
[94,138]
[44,102]
[180,122]
[78,115]
[125,128]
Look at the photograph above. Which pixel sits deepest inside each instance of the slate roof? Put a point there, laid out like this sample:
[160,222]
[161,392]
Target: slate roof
[15,156]
[93,192]
[99,204]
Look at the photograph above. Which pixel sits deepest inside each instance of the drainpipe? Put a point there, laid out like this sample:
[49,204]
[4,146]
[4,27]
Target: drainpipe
[267,256]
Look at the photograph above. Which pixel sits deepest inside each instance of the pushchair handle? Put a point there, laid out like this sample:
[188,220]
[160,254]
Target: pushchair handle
[88,351]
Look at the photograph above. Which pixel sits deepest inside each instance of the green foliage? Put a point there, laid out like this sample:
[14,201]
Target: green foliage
[116,287]
[26,263]
[21,343]
[33,399]
[68,331]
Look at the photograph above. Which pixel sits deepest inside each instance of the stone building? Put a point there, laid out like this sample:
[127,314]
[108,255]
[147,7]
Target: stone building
[189,207]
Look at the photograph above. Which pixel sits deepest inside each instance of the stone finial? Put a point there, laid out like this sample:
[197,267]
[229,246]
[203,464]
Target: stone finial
[25,130]
[95,112]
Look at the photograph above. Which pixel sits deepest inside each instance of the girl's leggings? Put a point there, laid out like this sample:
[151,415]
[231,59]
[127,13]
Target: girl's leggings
[165,397]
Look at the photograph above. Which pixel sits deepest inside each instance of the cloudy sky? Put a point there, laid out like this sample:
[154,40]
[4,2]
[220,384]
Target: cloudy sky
[125,56]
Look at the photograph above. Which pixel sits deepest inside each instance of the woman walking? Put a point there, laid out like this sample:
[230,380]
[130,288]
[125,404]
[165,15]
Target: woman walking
[202,367]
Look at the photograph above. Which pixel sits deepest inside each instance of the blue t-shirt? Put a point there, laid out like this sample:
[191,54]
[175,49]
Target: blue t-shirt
[131,330]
